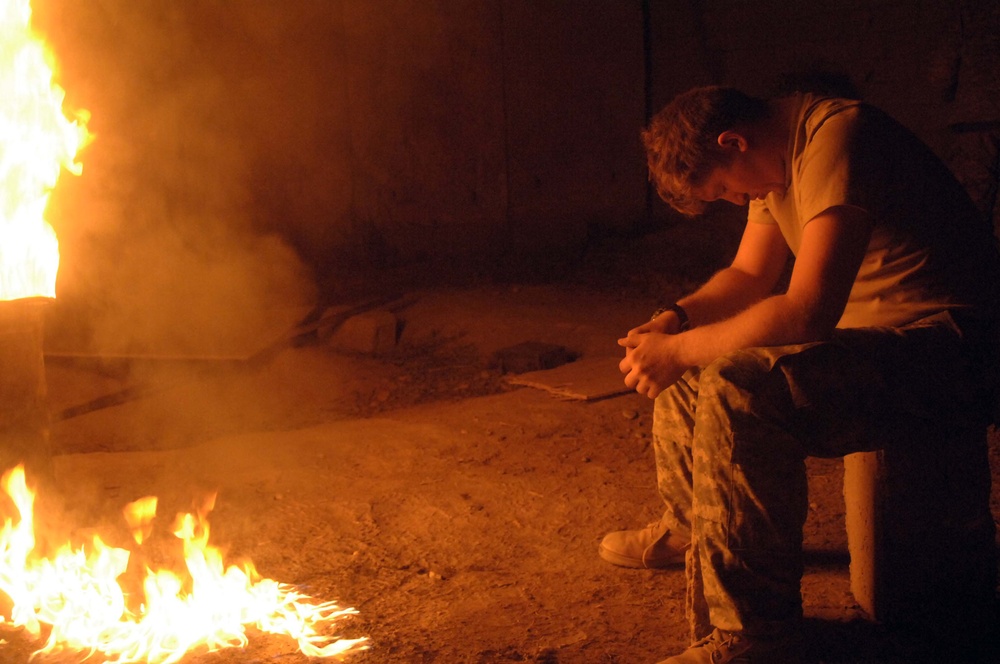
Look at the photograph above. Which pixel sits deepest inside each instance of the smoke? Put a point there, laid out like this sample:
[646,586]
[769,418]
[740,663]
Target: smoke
[212,145]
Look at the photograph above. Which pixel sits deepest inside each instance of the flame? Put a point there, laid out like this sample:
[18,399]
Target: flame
[37,142]
[139,516]
[78,596]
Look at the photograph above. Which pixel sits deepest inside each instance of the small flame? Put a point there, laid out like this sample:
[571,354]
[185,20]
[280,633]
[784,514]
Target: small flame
[36,143]
[139,516]
[78,596]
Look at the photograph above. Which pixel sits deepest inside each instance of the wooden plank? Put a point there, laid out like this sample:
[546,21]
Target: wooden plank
[586,379]
[233,341]
[316,320]
[267,333]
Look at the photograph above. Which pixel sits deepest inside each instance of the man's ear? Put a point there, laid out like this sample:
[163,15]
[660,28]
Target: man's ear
[732,139]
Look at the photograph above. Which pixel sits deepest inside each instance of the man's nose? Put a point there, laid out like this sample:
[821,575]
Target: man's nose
[736,198]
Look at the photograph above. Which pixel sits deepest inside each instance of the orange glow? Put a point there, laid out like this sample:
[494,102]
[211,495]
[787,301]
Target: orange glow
[37,142]
[77,596]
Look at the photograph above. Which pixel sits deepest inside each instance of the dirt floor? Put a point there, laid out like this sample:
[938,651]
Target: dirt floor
[459,514]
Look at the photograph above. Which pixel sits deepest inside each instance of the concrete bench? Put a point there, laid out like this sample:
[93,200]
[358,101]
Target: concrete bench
[921,535]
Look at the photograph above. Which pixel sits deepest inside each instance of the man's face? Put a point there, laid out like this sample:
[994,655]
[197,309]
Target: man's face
[750,174]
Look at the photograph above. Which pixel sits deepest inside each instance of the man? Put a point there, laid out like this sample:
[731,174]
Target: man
[880,336]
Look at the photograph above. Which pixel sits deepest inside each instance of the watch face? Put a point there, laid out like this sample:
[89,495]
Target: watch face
[685,322]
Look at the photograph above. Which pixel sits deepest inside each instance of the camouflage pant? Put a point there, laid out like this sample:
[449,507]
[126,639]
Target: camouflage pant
[731,440]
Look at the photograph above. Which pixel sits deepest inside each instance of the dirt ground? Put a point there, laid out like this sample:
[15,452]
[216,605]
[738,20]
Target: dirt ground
[459,515]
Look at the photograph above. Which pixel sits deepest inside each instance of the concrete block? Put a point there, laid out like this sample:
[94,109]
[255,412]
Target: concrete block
[369,333]
[861,516]
[921,535]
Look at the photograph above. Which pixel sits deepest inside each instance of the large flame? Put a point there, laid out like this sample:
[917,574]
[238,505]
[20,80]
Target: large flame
[76,594]
[37,142]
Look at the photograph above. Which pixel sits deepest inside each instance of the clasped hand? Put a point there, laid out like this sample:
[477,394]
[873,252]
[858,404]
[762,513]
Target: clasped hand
[650,364]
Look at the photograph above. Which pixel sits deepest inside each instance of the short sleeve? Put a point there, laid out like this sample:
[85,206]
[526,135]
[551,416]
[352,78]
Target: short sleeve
[758,213]
[828,166]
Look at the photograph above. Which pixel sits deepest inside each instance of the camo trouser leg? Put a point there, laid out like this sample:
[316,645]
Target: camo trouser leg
[673,428]
[699,482]
[731,441]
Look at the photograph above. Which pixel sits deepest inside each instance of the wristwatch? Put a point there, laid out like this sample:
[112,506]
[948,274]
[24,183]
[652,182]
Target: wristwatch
[681,314]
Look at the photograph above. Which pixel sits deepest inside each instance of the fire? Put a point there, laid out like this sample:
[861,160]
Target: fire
[77,595]
[37,142]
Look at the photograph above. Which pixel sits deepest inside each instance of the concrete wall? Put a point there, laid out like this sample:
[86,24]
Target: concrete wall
[249,151]
[368,134]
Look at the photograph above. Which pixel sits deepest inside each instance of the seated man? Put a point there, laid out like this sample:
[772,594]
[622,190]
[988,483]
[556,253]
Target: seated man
[883,335]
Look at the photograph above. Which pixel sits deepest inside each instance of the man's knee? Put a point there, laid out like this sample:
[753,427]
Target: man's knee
[675,405]
[742,370]
[745,402]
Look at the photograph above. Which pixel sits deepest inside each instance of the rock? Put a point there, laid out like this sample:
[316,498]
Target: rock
[370,333]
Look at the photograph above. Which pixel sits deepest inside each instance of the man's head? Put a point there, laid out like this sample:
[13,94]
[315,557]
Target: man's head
[693,137]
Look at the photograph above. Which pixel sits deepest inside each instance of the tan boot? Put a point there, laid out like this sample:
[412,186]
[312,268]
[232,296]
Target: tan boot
[722,647]
[653,547]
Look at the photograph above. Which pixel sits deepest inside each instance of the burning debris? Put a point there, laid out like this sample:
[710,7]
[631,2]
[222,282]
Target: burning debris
[77,597]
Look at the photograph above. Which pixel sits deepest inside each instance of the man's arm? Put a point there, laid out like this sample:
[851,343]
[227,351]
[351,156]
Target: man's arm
[833,246]
[753,274]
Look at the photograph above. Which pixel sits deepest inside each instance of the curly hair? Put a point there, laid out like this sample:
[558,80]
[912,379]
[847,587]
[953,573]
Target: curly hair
[681,141]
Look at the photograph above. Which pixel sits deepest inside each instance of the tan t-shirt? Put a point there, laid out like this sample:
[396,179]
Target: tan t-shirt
[929,249]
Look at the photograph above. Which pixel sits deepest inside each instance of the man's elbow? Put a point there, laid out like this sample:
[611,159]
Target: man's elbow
[819,329]
[811,323]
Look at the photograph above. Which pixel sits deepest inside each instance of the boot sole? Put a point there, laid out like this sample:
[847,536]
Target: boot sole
[636,563]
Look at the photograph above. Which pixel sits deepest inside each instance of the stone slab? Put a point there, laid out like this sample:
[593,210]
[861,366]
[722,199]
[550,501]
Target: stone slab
[586,379]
